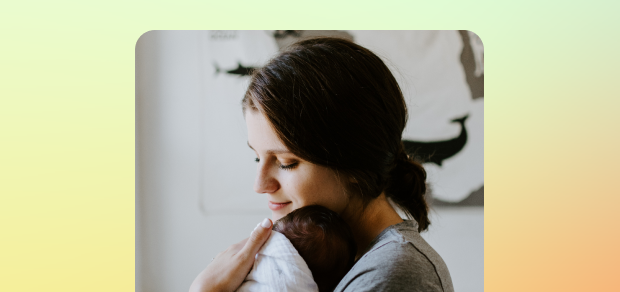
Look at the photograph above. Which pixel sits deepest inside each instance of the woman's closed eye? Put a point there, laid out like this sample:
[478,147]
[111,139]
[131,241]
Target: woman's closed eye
[281,165]
[289,166]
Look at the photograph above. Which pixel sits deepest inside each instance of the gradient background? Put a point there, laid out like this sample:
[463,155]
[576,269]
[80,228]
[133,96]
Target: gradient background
[552,132]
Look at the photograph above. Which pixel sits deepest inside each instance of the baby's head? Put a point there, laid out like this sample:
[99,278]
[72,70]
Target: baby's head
[323,240]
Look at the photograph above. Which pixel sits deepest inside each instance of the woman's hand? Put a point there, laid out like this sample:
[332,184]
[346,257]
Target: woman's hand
[229,268]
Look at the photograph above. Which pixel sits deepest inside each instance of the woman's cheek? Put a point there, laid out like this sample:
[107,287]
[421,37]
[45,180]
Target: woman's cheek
[290,182]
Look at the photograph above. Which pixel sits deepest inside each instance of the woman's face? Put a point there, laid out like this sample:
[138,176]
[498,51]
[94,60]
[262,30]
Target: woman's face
[287,181]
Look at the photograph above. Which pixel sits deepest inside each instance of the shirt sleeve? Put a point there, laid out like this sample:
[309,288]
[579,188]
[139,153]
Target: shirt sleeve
[392,267]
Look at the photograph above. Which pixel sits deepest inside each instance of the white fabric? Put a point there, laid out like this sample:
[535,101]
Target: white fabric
[279,267]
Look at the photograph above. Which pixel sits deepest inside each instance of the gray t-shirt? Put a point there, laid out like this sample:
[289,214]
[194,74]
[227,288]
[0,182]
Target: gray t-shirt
[399,259]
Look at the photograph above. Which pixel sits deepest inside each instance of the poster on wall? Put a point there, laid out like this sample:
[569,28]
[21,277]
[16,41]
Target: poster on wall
[441,74]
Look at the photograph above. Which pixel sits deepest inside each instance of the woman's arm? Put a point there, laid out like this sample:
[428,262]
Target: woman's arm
[228,269]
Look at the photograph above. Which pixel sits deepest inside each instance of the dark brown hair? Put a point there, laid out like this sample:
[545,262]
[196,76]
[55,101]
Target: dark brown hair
[335,103]
[323,240]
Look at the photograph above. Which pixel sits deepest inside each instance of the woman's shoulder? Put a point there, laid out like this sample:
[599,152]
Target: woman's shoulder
[398,259]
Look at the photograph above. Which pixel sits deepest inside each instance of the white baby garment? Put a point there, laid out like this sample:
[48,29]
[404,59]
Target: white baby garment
[279,267]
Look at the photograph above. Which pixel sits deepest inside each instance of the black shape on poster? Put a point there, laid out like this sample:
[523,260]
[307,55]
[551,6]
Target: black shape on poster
[279,34]
[240,70]
[476,83]
[438,151]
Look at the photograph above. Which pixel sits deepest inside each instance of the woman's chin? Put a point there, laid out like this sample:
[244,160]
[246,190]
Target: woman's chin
[279,210]
[277,215]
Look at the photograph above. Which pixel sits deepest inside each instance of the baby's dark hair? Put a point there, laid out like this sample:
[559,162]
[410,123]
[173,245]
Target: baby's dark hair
[323,240]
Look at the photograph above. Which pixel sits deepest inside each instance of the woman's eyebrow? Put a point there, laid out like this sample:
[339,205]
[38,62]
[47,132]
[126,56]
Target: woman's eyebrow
[273,151]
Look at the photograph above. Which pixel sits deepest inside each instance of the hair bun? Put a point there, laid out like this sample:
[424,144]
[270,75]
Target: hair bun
[407,187]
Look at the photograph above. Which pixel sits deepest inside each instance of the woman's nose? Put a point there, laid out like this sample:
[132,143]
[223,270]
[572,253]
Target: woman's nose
[265,182]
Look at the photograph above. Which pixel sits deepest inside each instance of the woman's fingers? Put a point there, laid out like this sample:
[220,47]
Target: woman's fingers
[258,237]
[228,269]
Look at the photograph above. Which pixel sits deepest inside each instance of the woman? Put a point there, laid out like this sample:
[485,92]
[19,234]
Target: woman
[325,119]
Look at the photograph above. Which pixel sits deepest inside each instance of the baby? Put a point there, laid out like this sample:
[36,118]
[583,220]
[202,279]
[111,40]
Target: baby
[310,249]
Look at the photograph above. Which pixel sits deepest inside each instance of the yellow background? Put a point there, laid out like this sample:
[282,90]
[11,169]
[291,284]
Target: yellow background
[551,149]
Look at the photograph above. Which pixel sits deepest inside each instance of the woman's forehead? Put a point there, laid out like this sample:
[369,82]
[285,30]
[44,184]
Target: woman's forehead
[261,136]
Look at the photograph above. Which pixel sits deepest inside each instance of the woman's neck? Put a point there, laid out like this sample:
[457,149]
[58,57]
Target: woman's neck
[368,224]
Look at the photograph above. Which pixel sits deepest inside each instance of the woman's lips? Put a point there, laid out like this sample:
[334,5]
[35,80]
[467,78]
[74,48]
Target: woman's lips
[277,206]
